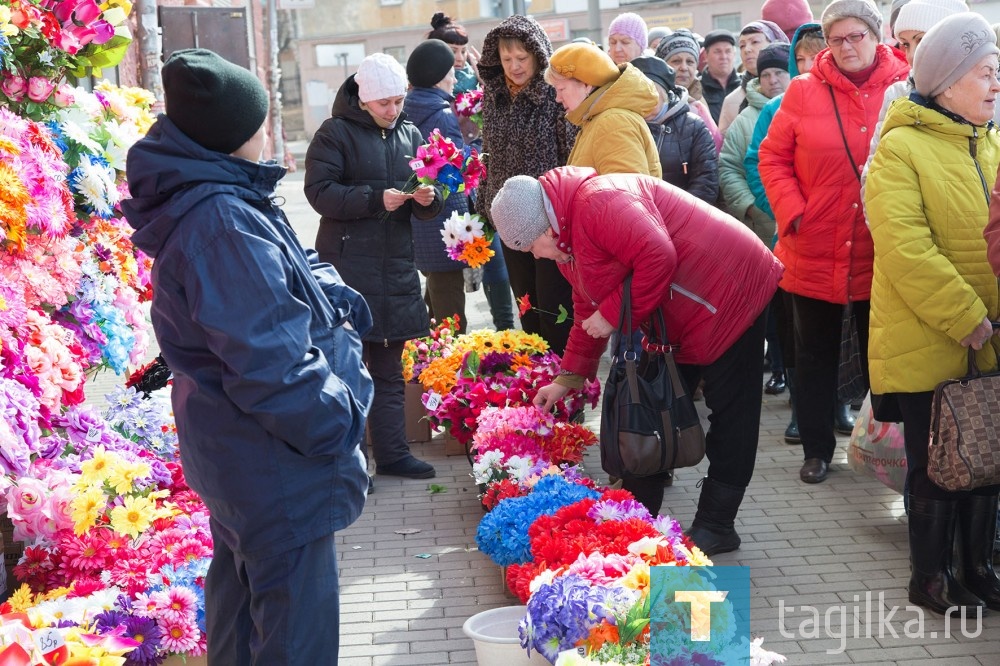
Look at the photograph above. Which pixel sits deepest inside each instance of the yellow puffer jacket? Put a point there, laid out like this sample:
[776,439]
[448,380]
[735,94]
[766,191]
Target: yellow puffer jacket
[613,134]
[927,200]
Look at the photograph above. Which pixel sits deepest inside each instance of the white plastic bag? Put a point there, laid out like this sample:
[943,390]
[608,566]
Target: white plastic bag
[877,449]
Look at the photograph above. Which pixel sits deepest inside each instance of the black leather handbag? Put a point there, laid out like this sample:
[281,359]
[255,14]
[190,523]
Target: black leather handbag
[649,423]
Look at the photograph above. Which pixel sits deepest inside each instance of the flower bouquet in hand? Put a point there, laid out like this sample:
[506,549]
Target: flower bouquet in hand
[470,105]
[440,163]
[467,240]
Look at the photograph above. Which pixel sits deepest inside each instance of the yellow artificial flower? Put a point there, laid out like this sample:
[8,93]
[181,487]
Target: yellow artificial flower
[134,516]
[55,593]
[21,600]
[125,5]
[638,577]
[122,477]
[87,507]
[97,468]
[7,29]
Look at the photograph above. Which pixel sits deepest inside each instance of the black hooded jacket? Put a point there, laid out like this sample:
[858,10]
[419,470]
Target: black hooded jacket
[350,163]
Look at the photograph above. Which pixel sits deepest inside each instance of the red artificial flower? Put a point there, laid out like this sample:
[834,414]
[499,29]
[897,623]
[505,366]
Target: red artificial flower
[523,305]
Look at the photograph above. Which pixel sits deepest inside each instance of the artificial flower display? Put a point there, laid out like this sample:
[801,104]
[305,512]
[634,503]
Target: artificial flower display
[488,368]
[41,42]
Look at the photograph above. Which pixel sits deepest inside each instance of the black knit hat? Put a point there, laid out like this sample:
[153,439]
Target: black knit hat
[429,63]
[773,55]
[216,103]
[656,71]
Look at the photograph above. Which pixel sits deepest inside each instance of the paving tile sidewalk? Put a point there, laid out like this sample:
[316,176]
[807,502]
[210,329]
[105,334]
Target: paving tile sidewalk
[824,546]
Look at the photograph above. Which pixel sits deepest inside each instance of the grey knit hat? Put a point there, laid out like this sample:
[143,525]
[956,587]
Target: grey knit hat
[949,50]
[863,10]
[682,41]
[518,212]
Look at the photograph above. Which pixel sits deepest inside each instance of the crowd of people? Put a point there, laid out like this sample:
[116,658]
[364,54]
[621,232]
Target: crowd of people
[756,186]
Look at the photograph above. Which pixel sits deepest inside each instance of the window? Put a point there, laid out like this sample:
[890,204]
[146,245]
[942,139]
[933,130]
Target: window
[730,22]
[397,52]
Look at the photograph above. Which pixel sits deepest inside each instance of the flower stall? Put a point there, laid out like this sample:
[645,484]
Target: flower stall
[578,555]
[105,544]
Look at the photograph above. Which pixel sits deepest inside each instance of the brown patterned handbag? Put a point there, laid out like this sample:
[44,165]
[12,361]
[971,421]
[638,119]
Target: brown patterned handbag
[964,450]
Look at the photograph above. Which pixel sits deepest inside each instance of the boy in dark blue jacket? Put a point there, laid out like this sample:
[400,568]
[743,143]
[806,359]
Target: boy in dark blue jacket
[270,394]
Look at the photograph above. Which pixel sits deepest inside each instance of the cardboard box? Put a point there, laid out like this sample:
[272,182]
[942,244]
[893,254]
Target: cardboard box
[452,447]
[418,427]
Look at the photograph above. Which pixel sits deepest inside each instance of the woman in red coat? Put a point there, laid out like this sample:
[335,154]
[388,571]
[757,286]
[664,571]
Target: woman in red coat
[811,163]
[710,275]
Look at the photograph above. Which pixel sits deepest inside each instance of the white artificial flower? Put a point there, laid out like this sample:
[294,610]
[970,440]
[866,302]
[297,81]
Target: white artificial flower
[518,468]
[453,229]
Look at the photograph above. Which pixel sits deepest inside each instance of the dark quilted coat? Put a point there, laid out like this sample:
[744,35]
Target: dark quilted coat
[687,151]
[430,109]
[708,272]
[350,163]
[526,134]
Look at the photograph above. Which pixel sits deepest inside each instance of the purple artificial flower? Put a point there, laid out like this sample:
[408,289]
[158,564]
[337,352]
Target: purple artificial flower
[494,362]
[148,633]
[609,510]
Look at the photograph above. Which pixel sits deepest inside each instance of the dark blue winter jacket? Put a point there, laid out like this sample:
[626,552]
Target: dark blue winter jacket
[430,109]
[270,394]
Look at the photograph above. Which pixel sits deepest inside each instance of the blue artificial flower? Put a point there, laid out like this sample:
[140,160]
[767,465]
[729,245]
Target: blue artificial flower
[450,178]
[563,612]
[503,532]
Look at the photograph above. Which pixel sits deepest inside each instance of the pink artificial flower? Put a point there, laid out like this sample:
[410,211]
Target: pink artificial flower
[59,508]
[14,87]
[179,636]
[64,95]
[181,605]
[39,88]
[25,507]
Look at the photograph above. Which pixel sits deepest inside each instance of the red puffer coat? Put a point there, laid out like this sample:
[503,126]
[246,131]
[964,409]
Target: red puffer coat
[807,173]
[709,272]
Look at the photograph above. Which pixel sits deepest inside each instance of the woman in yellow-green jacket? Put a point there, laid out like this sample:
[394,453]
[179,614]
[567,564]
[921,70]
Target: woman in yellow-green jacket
[609,103]
[933,291]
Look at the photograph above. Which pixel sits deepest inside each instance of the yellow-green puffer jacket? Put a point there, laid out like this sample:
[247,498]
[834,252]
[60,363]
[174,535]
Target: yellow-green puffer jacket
[614,137]
[927,201]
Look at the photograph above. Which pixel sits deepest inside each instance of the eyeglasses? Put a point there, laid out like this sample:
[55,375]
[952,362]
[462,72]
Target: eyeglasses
[852,38]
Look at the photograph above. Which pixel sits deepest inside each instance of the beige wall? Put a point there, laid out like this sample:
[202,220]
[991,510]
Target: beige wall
[398,29]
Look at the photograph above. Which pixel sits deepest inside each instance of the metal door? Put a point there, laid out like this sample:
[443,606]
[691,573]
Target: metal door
[221,29]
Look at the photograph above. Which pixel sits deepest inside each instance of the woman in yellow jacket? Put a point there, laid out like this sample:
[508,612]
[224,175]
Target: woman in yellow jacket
[609,103]
[933,292]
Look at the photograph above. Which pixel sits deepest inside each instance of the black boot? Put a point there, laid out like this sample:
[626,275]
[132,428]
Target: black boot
[977,528]
[792,435]
[712,529]
[843,420]
[932,580]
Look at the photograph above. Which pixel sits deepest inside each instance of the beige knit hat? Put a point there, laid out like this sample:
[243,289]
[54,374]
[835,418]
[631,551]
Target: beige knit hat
[863,10]
[380,76]
[950,49]
[518,212]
